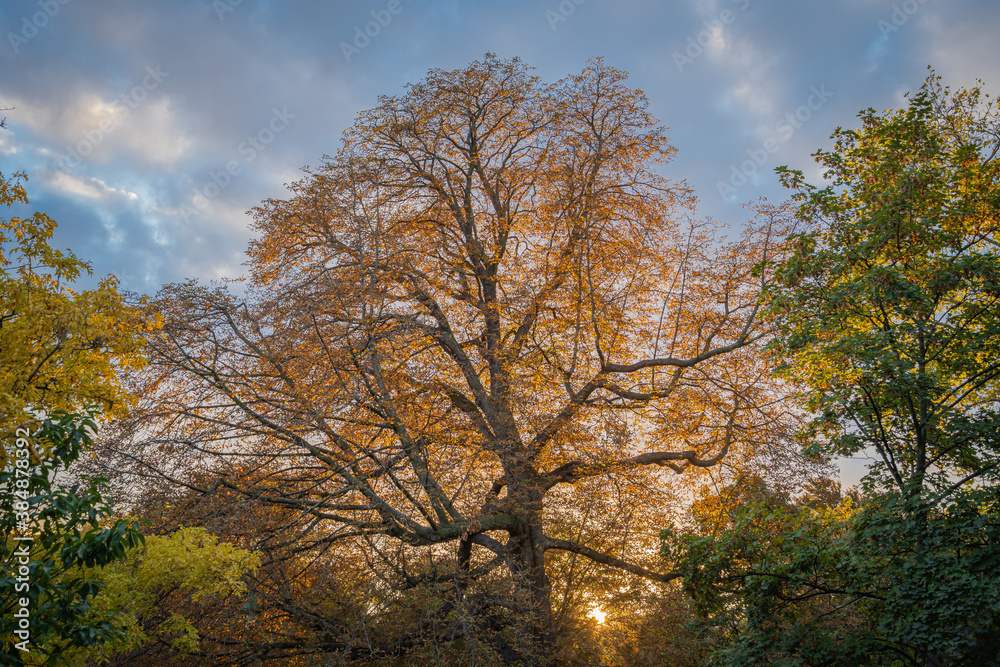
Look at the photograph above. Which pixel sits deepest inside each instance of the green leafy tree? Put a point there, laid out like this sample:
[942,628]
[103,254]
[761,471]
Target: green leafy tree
[47,584]
[844,585]
[93,587]
[889,310]
[891,306]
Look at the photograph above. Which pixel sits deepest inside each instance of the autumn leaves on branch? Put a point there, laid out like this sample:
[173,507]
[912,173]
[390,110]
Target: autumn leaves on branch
[487,297]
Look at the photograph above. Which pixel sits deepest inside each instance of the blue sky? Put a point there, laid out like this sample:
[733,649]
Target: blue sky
[148,129]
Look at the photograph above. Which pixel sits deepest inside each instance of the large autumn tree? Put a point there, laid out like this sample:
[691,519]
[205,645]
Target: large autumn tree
[477,337]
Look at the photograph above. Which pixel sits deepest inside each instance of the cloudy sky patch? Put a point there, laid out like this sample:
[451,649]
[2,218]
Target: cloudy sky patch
[172,119]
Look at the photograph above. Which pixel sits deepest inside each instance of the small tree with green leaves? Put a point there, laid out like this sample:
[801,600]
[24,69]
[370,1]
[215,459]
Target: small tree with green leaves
[52,537]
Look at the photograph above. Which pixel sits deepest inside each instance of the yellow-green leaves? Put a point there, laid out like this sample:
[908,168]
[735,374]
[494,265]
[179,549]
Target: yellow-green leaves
[157,581]
[890,309]
[58,348]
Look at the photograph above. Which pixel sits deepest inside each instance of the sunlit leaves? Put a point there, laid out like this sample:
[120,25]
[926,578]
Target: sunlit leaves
[890,306]
[58,348]
[149,592]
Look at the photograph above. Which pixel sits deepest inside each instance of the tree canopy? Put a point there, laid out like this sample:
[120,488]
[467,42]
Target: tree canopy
[889,318]
[891,308]
[473,342]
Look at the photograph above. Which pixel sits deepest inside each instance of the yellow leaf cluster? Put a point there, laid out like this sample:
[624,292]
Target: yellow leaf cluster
[59,348]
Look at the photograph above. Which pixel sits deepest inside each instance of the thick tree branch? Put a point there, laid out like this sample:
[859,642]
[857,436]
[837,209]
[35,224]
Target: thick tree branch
[605,559]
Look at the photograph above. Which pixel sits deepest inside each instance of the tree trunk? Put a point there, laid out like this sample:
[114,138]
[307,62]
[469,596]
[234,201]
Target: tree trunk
[533,632]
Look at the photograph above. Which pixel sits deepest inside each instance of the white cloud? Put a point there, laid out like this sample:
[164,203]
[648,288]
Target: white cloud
[7,146]
[98,130]
[757,90]
[962,67]
[91,188]
[153,136]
